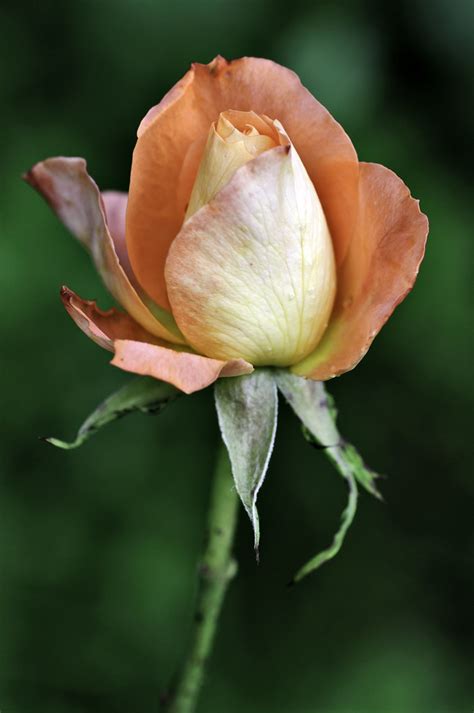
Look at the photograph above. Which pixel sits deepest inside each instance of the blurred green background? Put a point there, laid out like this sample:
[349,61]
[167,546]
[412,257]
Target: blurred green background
[98,547]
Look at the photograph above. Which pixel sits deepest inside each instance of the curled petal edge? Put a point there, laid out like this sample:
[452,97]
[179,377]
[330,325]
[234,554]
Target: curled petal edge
[104,326]
[139,352]
[75,198]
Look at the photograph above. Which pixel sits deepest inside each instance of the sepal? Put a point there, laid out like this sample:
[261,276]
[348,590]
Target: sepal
[317,413]
[247,411]
[142,394]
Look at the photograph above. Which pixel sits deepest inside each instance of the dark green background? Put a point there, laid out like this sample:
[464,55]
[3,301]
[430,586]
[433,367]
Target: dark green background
[98,547]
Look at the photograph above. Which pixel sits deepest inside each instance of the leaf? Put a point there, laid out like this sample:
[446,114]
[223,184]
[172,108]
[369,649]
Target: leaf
[315,408]
[142,394]
[247,410]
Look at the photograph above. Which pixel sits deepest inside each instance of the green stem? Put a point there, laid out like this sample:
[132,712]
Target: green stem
[216,569]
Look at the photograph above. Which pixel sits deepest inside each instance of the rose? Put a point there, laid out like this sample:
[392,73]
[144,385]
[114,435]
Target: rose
[251,236]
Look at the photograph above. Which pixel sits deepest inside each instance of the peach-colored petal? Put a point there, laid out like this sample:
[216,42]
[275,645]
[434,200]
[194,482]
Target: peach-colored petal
[379,271]
[115,206]
[172,137]
[103,327]
[75,198]
[188,372]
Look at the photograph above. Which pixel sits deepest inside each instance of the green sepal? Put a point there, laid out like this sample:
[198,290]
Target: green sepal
[365,476]
[247,411]
[347,518]
[142,394]
[317,413]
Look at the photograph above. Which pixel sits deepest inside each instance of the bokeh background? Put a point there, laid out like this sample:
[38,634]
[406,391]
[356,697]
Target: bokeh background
[98,547]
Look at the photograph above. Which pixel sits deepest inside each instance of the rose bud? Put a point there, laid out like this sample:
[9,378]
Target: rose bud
[251,236]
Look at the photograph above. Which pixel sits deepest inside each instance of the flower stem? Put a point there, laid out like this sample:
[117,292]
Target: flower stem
[216,569]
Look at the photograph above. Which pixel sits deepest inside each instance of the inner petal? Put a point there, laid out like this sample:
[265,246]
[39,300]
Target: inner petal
[234,139]
[252,274]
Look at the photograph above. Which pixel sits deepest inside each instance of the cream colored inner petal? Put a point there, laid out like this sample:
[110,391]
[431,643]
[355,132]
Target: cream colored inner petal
[252,274]
[236,138]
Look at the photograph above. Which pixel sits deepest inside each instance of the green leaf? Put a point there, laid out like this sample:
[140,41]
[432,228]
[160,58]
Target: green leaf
[247,410]
[141,394]
[315,408]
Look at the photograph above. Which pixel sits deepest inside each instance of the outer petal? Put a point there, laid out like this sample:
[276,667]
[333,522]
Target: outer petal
[104,327]
[188,372]
[139,352]
[171,140]
[75,198]
[252,273]
[379,271]
[115,206]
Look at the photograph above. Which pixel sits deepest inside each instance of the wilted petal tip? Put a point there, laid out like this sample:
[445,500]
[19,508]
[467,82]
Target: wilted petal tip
[215,66]
[65,293]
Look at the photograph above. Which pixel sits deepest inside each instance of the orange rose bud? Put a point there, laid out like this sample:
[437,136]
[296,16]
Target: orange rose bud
[253,235]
